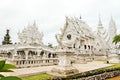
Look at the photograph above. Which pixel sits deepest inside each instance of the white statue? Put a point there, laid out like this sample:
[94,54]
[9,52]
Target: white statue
[69,42]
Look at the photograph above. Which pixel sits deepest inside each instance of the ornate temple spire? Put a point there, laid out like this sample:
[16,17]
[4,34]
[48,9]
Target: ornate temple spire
[112,25]
[112,30]
[100,22]
[30,35]
[80,17]
[112,22]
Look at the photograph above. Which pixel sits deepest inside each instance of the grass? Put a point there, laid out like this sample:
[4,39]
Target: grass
[9,66]
[38,77]
[115,66]
[111,67]
[47,76]
[101,60]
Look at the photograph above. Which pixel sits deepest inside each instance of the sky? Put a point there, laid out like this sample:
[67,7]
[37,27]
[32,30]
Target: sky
[50,15]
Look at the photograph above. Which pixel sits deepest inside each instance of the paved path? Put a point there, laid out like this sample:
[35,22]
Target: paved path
[91,66]
[28,71]
[37,70]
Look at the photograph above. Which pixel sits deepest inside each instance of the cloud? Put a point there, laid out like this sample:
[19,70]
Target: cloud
[50,14]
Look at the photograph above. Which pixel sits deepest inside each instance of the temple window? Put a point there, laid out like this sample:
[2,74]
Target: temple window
[85,46]
[89,47]
[49,55]
[74,46]
[69,36]
[79,46]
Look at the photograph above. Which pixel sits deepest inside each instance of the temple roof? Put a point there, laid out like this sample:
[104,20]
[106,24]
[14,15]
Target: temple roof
[78,25]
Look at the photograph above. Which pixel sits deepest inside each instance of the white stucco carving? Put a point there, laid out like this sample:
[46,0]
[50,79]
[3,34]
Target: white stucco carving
[75,34]
[30,35]
[83,37]
[112,31]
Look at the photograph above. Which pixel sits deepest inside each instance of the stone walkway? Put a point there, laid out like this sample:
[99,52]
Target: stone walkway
[91,66]
[43,69]
[22,72]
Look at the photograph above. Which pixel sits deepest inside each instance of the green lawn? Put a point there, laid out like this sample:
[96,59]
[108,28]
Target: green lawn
[101,60]
[114,66]
[38,77]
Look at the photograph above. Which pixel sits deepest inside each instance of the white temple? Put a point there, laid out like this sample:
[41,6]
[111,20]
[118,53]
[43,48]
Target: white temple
[82,36]
[30,35]
[102,37]
[30,51]
[76,35]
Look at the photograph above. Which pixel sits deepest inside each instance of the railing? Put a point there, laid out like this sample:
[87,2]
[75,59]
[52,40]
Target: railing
[34,62]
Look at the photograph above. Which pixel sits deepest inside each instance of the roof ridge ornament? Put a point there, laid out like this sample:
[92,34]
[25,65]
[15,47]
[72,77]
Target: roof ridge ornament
[67,20]
[80,17]
[100,22]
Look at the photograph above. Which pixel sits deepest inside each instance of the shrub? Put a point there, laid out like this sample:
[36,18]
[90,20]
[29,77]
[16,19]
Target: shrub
[91,73]
[5,68]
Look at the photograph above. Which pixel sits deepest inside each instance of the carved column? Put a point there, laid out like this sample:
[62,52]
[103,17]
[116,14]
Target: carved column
[14,53]
[64,67]
[38,52]
[26,53]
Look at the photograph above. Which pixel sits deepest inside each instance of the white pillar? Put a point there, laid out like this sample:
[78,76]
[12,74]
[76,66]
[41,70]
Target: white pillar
[44,55]
[38,52]
[14,54]
[26,54]
[64,66]
[64,61]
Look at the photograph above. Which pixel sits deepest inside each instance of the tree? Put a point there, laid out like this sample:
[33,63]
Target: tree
[6,38]
[5,68]
[116,39]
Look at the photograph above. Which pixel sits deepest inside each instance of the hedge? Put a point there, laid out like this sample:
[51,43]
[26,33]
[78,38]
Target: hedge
[90,73]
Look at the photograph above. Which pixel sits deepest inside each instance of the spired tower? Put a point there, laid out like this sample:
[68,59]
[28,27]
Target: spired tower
[30,35]
[112,31]
[102,35]
[100,28]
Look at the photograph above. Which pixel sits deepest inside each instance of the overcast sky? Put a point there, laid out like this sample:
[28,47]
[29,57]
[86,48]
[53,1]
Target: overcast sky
[50,15]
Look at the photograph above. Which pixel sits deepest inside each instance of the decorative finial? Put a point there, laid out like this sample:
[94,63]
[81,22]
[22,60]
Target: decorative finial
[66,20]
[80,17]
[99,23]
